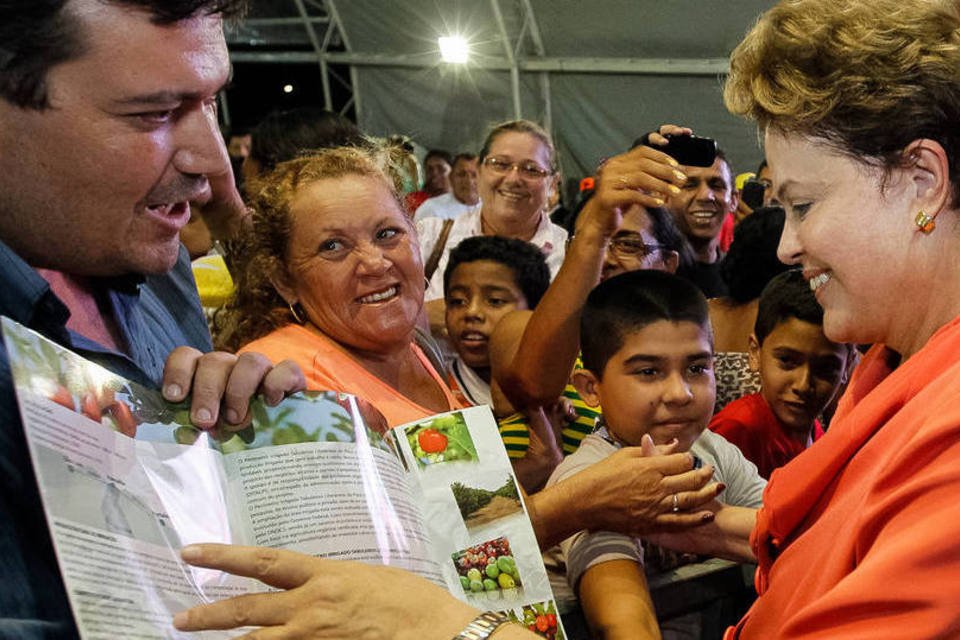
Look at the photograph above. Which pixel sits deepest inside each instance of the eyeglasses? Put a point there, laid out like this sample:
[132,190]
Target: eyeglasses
[528,169]
[632,246]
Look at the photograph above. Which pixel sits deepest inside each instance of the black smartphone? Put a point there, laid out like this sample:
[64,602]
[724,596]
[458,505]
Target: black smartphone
[692,151]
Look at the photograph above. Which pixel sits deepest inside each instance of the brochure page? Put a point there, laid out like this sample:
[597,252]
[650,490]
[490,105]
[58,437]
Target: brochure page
[126,481]
[475,515]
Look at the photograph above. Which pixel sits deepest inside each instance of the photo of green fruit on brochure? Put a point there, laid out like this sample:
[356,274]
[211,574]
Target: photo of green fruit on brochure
[488,570]
[445,438]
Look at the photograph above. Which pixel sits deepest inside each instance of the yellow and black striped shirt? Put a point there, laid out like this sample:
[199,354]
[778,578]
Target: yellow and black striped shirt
[515,431]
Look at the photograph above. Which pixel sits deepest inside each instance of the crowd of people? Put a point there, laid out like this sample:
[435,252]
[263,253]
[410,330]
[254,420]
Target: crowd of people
[773,384]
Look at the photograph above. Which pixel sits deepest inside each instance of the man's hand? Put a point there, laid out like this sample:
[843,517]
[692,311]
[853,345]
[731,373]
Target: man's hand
[222,384]
[323,598]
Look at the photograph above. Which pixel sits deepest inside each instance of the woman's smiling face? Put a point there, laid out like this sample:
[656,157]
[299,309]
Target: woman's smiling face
[852,232]
[511,196]
[354,263]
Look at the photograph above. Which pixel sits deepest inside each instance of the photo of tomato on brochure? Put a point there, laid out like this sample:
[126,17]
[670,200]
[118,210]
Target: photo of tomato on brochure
[540,618]
[488,570]
[442,439]
[99,403]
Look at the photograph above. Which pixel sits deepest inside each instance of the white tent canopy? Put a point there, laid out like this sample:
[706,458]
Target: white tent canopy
[597,74]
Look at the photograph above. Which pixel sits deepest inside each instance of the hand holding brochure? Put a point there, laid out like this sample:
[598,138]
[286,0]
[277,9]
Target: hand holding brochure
[127,481]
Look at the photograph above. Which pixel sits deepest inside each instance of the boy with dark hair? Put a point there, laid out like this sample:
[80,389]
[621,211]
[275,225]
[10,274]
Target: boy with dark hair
[648,357]
[486,278]
[800,372]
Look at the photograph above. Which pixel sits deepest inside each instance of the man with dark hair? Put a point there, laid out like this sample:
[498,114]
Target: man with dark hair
[437,165]
[464,194]
[109,131]
[705,200]
[703,209]
[285,134]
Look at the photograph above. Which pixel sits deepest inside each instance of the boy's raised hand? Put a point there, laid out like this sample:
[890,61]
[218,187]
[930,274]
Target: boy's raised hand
[642,176]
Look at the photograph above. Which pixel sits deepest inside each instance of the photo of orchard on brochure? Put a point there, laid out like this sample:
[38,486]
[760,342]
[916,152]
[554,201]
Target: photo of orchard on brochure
[479,507]
[127,481]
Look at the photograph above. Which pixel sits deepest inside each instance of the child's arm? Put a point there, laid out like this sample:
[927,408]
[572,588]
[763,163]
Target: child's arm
[544,451]
[616,601]
[532,352]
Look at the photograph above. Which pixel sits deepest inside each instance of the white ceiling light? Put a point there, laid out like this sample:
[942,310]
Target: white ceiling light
[454,49]
[288,88]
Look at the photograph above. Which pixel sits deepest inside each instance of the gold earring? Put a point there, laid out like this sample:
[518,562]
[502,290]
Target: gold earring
[293,311]
[925,223]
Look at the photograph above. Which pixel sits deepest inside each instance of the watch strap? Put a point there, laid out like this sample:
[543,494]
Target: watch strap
[483,626]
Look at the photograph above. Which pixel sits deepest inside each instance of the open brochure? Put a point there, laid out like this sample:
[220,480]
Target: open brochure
[126,482]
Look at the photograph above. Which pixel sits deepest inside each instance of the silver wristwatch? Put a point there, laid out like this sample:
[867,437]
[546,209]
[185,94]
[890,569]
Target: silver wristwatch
[483,626]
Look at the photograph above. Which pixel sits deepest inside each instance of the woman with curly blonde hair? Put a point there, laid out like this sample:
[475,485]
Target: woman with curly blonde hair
[333,280]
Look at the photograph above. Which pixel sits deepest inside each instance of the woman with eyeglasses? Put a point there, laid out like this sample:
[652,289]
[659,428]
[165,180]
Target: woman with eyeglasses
[517,162]
[647,238]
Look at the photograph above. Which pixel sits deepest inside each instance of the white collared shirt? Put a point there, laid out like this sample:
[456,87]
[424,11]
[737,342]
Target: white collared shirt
[551,239]
[443,206]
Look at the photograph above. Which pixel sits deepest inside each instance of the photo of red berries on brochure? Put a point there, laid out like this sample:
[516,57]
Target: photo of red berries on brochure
[445,438]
